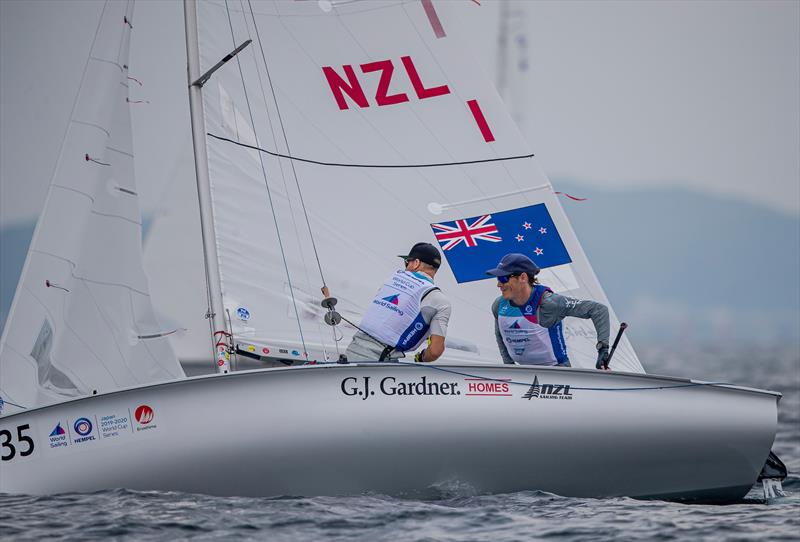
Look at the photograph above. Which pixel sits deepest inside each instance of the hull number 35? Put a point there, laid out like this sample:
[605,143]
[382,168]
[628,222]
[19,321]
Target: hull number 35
[9,446]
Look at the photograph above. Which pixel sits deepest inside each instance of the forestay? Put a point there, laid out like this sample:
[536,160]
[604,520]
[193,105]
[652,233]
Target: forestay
[372,83]
[81,320]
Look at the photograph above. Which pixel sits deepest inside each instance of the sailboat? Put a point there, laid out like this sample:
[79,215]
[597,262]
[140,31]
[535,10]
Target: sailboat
[328,136]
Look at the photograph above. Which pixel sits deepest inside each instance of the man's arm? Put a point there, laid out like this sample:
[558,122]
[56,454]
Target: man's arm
[501,345]
[437,308]
[433,351]
[555,307]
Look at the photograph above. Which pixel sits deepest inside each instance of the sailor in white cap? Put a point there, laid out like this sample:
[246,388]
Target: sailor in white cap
[407,309]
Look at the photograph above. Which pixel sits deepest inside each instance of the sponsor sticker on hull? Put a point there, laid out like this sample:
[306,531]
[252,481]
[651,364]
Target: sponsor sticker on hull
[144,417]
[114,425]
[58,437]
[548,391]
[84,430]
[365,387]
[488,387]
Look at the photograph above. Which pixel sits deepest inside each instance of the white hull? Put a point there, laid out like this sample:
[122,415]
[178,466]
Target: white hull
[307,431]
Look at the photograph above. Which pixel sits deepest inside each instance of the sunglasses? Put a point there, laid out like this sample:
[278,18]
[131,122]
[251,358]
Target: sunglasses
[407,261]
[505,278]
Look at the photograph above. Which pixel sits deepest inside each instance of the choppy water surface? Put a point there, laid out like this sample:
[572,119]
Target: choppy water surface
[452,514]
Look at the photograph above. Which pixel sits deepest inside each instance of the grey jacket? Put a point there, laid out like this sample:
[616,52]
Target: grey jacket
[554,308]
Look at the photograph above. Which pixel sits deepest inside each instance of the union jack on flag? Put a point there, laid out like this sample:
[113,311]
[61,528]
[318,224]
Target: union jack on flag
[450,234]
[474,244]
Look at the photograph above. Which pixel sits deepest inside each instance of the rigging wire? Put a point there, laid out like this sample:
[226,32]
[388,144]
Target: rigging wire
[266,184]
[286,141]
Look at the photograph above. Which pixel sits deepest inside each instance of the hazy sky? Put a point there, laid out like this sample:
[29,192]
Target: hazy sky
[701,94]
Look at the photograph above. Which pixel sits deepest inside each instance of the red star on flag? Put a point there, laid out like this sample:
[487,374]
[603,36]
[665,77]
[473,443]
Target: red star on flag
[542,230]
[539,251]
[520,238]
[526,225]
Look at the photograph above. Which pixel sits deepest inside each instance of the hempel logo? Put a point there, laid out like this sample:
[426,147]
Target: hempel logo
[547,391]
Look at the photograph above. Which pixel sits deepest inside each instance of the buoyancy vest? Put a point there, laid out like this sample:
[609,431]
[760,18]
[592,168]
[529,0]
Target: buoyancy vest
[527,342]
[394,316]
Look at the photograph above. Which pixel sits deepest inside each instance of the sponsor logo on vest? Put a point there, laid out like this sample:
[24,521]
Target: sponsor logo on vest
[390,303]
[417,328]
[363,387]
[488,387]
[547,391]
[528,309]
[515,325]
[83,427]
[58,437]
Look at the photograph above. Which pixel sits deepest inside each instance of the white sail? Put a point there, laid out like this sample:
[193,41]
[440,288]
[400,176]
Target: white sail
[333,82]
[81,321]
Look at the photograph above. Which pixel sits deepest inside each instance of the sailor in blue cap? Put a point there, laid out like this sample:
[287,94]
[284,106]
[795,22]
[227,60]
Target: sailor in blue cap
[528,316]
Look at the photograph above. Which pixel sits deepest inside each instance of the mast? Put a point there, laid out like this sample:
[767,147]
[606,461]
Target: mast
[216,312]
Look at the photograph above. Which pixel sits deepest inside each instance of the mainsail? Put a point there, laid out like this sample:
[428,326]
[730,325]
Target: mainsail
[346,89]
[81,320]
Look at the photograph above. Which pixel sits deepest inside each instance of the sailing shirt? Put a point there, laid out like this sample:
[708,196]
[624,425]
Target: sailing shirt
[394,316]
[524,339]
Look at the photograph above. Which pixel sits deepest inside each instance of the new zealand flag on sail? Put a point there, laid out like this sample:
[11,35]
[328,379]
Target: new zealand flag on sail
[473,245]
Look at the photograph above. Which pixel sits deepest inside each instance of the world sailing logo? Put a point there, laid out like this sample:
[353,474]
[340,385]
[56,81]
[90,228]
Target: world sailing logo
[390,302]
[57,430]
[547,391]
[58,437]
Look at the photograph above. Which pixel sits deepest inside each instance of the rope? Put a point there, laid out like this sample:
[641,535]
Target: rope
[527,384]
[7,402]
[384,166]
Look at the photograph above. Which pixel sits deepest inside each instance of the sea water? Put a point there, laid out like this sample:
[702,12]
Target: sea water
[451,512]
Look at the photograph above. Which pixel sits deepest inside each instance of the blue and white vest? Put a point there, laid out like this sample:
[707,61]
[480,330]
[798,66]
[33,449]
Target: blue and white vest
[527,342]
[394,316]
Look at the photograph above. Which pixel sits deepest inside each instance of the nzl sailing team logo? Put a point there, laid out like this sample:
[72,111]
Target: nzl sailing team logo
[547,391]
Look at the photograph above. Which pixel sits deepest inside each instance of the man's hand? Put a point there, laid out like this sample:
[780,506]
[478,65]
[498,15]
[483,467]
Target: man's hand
[602,357]
[418,357]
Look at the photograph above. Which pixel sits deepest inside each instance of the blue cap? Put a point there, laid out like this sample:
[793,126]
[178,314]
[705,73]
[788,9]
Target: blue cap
[514,263]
